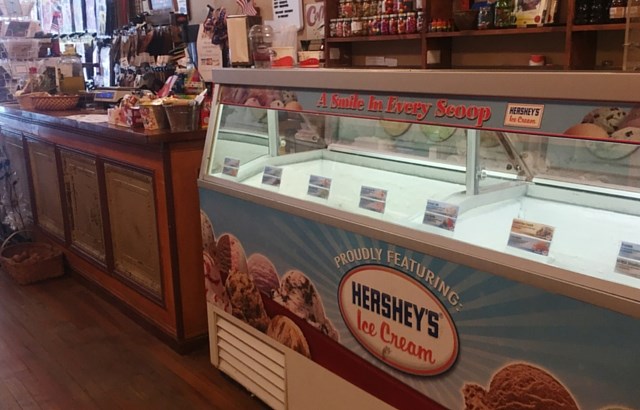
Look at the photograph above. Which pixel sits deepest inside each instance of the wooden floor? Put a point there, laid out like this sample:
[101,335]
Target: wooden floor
[63,347]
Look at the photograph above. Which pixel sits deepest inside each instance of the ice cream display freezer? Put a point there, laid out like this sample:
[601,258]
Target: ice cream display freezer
[424,239]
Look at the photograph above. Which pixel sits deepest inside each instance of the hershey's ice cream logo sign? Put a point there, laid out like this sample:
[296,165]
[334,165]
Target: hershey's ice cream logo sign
[398,320]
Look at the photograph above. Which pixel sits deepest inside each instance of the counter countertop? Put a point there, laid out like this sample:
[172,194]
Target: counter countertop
[104,130]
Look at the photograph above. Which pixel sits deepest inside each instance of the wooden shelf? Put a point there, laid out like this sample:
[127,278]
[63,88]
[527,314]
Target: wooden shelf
[415,36]
[498,32]
[599,27]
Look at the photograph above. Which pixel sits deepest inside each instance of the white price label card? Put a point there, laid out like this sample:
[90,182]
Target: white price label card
[231,167]
[531,236]
[373,199]
[441,215]
[319,186]
[272,176]
[628,261]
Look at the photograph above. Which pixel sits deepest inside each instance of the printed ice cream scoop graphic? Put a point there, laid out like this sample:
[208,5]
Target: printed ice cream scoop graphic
[519,386]
[609,122]
[208,237]
[246,302]
[264,274]
[230,256]
[216,292]
[285,331]
[298,294]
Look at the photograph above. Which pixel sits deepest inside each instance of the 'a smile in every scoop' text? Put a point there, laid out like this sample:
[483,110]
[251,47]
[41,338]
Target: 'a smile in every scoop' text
[416,109]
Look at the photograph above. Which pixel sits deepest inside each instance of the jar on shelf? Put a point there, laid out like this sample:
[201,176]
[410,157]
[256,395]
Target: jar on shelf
[420,22]
[412,25]
[357,8]
[356,26]
[402,23]
[341,6]
[365,26]
[375,8]
[384,24]
[346,28]
[340,27]
[393,24]
[366,8]
[347,9]
[374,26]
[387,6]
[332,28]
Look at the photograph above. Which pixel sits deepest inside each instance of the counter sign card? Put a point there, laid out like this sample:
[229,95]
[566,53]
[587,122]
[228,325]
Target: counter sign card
[373,199]
[441,215]
[531,236]
[319,186]
[628,261]
[231,167]
[272,176]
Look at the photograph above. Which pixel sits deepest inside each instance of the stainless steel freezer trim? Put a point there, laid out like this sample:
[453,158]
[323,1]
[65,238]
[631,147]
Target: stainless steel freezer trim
[587,85]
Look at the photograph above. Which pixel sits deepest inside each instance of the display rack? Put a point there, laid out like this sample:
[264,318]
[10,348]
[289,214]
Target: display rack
[567,46]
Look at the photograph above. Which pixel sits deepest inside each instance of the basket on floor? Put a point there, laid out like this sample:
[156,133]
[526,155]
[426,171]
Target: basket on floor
[31,262]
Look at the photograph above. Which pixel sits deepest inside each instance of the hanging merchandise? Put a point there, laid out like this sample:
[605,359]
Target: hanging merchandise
[91,23]
[67,18]
[78,18]
[209,54]
[220,34]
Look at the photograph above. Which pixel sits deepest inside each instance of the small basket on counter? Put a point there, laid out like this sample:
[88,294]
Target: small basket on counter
[31,262]
[55,102]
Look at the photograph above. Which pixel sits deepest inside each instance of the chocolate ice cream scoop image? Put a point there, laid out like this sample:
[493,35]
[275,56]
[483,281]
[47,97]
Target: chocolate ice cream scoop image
[298,294]
[230,256]
[216,291]
[246,302]
[264,274]
[519,386]
[285,331]
[208,237]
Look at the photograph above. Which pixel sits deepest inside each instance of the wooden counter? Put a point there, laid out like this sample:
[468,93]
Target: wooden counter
[123,206]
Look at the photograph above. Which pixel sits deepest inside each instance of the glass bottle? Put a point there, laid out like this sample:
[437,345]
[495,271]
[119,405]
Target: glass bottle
[402,23]
[503,14]
[70,75]
[598,12]
[393,24]
[384,25]
[583,12]
[261,38]
[332,28]
[617,11]
[412,25]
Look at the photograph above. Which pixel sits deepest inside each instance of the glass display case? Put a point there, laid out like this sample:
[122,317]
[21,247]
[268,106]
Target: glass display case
[537,185]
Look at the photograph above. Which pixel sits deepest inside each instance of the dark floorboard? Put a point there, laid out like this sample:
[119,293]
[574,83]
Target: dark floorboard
[63,347]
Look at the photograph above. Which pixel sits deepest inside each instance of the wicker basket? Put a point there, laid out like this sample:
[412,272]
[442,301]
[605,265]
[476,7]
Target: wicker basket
[26,100]
[56,102]
[31,262]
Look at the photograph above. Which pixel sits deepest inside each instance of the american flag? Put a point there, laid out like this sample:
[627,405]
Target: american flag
[247,7]
[55,22]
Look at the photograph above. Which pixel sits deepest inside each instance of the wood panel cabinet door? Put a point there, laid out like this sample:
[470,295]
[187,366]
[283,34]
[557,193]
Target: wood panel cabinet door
[15,199]
[46,187]
[83,202]
[134,234]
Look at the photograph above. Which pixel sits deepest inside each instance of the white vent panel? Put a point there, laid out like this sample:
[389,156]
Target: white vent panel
[251,362]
